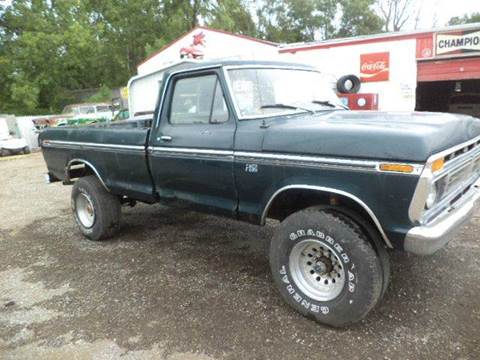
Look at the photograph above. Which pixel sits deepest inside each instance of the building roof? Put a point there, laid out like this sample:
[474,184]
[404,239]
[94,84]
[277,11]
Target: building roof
[355,40]
[245,37]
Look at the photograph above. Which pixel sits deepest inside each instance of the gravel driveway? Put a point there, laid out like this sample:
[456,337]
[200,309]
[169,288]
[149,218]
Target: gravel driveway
[181,285]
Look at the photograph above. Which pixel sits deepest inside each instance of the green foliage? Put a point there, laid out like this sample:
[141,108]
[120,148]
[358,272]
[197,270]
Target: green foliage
[358,18]
[465,19]
[104,94]
[50,48]
[286,21]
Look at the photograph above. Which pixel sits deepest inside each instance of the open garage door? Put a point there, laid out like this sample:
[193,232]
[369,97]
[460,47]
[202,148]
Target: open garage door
[449,86]
[444,70]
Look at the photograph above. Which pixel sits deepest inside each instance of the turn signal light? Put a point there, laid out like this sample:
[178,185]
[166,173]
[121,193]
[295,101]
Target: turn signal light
[403,168]
[437,165]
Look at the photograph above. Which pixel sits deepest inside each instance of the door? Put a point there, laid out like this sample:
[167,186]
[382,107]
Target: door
[191,151]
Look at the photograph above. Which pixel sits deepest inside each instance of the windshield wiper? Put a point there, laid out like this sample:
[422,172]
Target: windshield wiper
[285,106]
[329,104]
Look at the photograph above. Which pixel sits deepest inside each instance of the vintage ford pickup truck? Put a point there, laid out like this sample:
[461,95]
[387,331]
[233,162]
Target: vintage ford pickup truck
[264,140]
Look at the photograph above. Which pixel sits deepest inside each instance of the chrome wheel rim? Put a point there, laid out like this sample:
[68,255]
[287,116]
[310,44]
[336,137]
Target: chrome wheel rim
[317,270]
[85,210]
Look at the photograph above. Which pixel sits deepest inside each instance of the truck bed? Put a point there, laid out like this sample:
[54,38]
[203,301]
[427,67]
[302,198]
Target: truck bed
[117,154]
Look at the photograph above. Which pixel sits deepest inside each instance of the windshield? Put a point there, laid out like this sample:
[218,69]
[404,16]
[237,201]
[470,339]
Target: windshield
[85,110]
[262,92]
[103,108]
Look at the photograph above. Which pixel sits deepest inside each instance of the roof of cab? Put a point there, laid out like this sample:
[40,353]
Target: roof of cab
[222,63]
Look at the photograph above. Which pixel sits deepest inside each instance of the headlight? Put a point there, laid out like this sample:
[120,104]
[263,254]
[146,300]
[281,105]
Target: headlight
[432,196]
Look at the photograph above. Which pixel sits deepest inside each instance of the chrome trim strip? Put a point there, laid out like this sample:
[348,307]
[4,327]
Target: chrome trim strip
[76,144]
[89,164]
[331,190]
[367,165]
[452,149]
[305,160]
[279,159]
[193,151]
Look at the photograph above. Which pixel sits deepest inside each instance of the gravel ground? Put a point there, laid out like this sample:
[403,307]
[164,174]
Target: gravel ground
[181,285]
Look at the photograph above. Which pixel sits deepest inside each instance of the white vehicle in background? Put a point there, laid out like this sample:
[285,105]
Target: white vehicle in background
[88,113]
[10,145]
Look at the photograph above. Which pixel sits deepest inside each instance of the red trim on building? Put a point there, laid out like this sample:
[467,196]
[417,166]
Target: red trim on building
[328,45]
[245,37]
[444,70]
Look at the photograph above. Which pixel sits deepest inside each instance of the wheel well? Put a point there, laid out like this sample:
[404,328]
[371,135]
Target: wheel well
[79,168]
[292,200]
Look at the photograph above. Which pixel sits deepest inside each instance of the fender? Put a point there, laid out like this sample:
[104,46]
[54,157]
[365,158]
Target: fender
[329,190]
[87,163]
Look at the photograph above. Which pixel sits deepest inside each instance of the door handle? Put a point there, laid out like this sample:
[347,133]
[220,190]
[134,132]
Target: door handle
[166,138]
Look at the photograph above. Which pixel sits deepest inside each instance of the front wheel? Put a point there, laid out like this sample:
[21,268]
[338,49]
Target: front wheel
[325,267]
[96,211]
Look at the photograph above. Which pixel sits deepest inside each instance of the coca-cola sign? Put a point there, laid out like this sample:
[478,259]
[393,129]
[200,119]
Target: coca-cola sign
[375,67]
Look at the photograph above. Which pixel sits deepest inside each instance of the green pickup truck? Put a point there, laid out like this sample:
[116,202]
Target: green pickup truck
[267,140]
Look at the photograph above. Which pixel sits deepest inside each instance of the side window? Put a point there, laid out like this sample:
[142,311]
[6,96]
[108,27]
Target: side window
[219,107]
[198,100]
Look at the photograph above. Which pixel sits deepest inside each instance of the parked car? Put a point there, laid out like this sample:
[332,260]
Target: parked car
[77,115]
[87,113]
[10,145]
[259,140]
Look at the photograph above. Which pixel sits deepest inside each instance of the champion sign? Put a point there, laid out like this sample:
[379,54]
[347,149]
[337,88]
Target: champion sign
[374,67]
[458,43]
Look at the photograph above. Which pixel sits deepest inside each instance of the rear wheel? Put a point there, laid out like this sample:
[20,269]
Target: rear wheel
[325,267]
[96,211]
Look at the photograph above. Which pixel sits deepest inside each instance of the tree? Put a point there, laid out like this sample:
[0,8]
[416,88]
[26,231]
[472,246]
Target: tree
[296,20]
[48,48]
[395,13]
[231,15]
[358,18]
[465,19]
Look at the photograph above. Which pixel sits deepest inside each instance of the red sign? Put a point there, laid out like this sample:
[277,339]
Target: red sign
[425,47]
[375,67]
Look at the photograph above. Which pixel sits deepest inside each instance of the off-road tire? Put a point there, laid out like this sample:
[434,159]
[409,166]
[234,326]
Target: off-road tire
[342,84]
[107,209]
[375,240]
[361,265]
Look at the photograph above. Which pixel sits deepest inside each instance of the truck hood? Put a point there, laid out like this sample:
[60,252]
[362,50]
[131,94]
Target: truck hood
[394,136]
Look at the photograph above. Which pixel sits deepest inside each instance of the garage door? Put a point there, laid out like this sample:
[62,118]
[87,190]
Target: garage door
[442,70]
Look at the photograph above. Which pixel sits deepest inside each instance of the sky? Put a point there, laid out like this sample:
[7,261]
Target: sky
[436,13]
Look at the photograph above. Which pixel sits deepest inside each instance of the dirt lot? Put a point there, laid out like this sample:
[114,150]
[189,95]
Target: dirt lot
[180,285]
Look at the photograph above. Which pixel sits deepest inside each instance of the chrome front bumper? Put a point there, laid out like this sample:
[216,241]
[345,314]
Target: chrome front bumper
[426,239]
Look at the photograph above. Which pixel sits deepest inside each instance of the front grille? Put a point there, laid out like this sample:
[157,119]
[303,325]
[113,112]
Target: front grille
[462,150]
[461,171]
